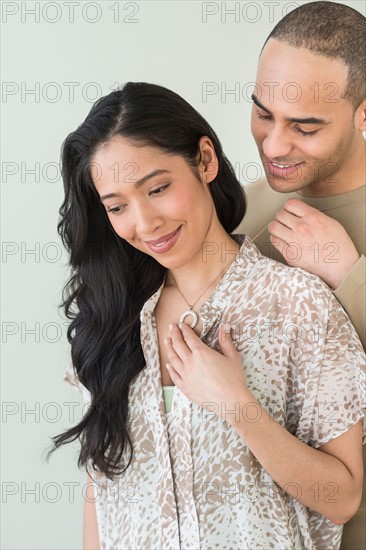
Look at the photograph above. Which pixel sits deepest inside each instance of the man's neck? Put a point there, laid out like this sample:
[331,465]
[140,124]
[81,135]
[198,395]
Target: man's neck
[327,190]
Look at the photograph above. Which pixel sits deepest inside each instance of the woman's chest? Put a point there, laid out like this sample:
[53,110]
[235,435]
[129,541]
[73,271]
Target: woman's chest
[169,310]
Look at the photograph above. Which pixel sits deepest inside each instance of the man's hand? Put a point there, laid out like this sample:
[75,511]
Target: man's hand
[309,239]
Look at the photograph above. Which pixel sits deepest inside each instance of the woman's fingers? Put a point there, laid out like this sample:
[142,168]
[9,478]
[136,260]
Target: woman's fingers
[180,341]
[176,378]
[179,346]
[173,357]
[190,337]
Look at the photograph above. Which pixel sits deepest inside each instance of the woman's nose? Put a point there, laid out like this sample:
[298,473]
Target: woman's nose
[147,220]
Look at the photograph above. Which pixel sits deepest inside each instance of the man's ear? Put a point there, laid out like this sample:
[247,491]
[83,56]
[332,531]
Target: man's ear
[209,165]
[360,117]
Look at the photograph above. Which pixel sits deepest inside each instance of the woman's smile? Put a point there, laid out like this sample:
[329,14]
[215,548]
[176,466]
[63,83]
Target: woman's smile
[164,243]
[168,212]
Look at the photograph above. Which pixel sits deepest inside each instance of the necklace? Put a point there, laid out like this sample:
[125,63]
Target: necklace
[190,311]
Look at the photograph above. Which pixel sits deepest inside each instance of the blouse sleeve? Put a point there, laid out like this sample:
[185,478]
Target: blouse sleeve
[334,397]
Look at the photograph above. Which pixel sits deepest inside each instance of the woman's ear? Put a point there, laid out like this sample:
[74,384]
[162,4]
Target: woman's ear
[209,165]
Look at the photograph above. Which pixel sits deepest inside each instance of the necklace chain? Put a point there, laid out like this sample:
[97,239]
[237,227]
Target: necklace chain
[190,311]
[202,293]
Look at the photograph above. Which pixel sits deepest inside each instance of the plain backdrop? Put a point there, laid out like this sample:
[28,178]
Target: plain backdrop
[57,59]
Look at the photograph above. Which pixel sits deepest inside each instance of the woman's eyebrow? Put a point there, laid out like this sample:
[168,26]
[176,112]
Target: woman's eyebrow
[138,183]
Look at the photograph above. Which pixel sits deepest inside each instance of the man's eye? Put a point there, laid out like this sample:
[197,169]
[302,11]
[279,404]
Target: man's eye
[303,133]
[263,117]
[159,189]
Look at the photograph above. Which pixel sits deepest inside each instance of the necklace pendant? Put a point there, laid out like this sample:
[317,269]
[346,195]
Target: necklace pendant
[193,314]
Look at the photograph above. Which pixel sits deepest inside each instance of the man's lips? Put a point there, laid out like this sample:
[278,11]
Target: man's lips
[282,169]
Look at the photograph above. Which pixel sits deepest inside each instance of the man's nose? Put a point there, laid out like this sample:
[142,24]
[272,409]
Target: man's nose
[277,143]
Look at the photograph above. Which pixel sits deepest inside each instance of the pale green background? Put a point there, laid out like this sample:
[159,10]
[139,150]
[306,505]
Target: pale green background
[169,44]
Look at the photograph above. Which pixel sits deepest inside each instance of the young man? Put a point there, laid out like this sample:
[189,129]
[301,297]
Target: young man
[308,119]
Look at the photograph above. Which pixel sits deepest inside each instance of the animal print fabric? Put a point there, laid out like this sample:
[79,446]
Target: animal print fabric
[193,483]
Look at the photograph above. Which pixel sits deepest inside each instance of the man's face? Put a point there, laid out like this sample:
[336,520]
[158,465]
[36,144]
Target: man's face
[304,131]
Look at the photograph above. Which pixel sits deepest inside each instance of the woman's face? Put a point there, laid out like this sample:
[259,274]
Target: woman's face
[155,201]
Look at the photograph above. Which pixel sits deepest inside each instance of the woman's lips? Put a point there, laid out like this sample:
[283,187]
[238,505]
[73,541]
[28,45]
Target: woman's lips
[167,244]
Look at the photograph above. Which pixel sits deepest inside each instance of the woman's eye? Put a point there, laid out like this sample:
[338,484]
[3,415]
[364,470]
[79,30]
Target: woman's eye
[159,189]
[116,210]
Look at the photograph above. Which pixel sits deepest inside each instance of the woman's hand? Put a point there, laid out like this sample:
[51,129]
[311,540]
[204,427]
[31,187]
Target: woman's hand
[204,375]
[207,377]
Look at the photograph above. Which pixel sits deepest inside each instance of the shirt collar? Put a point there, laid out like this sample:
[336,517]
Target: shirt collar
[247,254]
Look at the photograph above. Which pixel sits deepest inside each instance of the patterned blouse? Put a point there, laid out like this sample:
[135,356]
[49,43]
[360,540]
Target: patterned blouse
[193,483]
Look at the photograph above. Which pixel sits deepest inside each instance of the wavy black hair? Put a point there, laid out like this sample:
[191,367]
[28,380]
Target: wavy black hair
[110,279]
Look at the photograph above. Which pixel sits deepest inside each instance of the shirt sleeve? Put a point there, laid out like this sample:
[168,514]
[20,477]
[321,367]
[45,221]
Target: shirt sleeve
[352,295]
[72,378]
[335,393]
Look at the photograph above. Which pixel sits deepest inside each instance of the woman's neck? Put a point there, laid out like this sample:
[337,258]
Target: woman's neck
[209,266]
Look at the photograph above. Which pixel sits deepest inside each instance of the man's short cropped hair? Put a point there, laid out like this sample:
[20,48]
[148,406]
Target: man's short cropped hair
[333,30]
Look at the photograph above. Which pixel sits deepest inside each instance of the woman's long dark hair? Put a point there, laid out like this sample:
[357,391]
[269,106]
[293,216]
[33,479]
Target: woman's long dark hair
[111,280]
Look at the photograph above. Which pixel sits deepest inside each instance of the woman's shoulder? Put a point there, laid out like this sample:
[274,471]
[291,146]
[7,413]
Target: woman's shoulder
[262,265]
[280,282]
[270,292]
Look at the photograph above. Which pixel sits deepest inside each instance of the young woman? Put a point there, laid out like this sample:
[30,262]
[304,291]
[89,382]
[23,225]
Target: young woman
[262,444]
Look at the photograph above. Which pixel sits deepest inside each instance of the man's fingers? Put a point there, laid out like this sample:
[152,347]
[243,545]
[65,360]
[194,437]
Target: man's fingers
[280,231]
[278,243]
[298,208]
[289,250]
[286,218]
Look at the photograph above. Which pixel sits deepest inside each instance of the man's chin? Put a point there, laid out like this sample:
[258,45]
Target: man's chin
[282,185]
